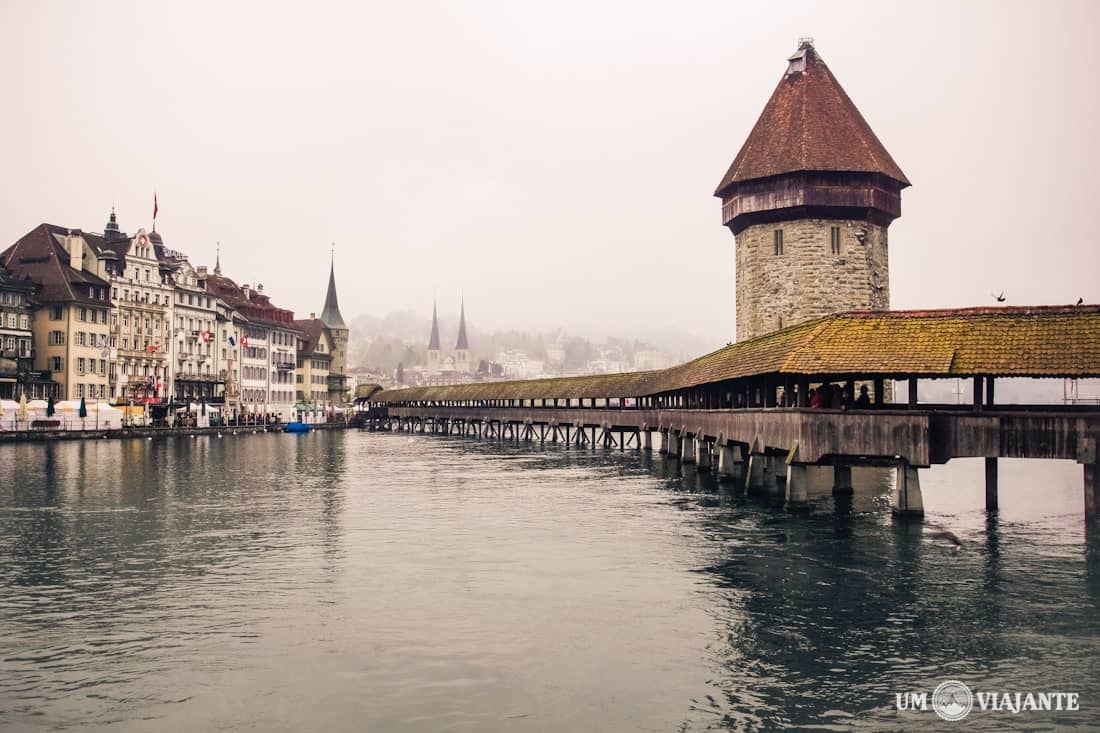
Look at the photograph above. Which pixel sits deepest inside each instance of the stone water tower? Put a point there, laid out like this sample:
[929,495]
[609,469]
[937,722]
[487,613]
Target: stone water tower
[809,199]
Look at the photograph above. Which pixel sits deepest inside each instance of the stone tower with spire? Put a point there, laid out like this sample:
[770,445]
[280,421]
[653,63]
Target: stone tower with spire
[338,386]
[809,199]
[462,345]
[435,356]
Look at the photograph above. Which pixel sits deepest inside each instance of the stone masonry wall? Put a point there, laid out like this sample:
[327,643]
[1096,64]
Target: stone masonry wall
[808,281]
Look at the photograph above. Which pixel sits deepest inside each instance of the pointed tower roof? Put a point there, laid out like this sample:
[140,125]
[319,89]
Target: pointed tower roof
[433,342]
[810,124]
[218,260]
[462,342]
[111,232]
[330,314]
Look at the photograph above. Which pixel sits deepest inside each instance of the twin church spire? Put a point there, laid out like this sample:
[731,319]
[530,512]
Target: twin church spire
[462,344]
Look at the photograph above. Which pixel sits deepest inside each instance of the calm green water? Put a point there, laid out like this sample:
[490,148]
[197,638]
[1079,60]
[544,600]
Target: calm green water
[355,581]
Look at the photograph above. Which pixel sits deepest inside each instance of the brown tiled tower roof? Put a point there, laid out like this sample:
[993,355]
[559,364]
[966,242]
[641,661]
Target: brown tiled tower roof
[810,124]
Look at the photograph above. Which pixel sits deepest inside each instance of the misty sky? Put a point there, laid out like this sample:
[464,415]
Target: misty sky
[556,161]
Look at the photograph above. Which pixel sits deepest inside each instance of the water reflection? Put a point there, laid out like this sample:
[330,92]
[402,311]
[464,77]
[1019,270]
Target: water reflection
[422,583]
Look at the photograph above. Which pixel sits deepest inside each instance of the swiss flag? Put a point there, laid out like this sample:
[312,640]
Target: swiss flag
[244,341]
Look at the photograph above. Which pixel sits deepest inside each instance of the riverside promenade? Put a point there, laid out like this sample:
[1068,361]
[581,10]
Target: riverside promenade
[38,435]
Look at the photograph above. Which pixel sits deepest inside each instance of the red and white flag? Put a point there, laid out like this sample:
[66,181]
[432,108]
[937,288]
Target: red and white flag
[155,209]
[206,337]
[244,340]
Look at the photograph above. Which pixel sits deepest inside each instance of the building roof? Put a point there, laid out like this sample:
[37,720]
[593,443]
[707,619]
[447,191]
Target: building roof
[462,342]
[40,257]
[810,124]
[255,306]
[330,314]
[312,329]
[1035,341]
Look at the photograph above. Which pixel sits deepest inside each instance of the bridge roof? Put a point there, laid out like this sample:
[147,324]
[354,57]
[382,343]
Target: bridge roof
[1034,341]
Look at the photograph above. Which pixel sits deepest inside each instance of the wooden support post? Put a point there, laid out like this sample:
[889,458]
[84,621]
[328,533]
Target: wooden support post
[754,474]
[702,454]
[977,394]
[990,484]
[912,392]
[880,391]
[729,461]
[797,484]
[1092,492]
[907,501]
[989,391]
[803,392]
[687,452]
[842,480]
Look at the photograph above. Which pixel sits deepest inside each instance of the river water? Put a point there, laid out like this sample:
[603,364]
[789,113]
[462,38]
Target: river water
[352,581]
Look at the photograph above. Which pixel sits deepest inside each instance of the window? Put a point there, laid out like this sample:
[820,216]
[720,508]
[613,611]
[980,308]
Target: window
[79,338]
[82,313]
[80,390]
[777,235]
[55,363]
[80,365]
[114,293]
[57,338]
[12,319]
[102,366]
[834,240]
[24,322]
[24,348]
[55,313]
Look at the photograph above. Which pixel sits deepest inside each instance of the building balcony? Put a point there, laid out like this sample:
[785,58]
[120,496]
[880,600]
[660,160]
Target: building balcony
[282,365]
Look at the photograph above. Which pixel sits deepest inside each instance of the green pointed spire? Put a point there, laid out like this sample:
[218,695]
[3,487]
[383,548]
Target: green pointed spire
[330,314]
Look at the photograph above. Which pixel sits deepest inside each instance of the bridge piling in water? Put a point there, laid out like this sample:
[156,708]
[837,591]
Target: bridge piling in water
[991,479]
[797,494]
[907,501]
[842,480]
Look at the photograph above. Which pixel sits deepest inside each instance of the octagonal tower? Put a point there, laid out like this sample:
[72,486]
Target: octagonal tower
[809,199]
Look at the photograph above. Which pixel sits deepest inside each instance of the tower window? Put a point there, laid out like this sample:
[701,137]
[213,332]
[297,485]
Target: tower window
[834,239]
[778,236]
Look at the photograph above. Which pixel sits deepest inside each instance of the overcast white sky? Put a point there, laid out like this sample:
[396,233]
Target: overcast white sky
[554,160]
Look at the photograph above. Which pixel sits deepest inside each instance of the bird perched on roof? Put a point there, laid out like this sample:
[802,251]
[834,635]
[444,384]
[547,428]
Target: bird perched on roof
[999,298]
[1079,301]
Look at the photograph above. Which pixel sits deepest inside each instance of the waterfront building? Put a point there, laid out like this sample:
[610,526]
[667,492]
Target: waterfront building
[316,357]
[267,345]
[17,375]
[809,198]
[199,344]
[70,326]
[141,293]
[338,385]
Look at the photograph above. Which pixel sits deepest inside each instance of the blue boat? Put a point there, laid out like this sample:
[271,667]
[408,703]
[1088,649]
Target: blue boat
[297,427]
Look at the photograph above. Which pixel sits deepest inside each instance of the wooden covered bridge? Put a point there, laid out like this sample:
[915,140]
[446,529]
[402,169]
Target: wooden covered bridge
[746,409]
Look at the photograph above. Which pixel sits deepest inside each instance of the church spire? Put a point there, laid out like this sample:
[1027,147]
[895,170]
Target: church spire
[433,341]
[218,260]
[462,343]
[330,314]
